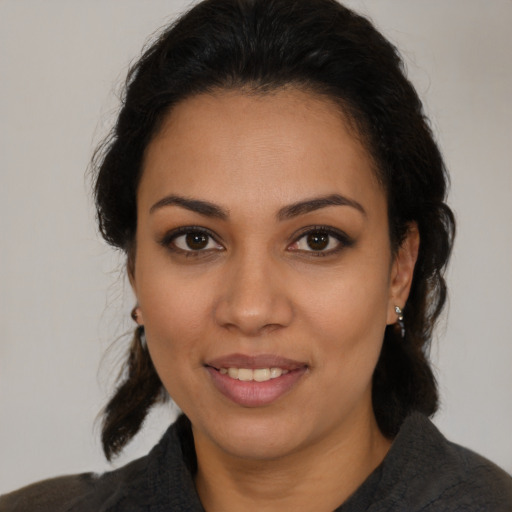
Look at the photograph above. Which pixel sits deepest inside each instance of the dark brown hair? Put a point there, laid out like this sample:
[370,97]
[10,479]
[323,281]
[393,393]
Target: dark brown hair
[323,47]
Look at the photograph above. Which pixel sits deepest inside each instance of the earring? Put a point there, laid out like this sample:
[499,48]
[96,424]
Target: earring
[140,332]
[142,337]
[400,321]
[135,314]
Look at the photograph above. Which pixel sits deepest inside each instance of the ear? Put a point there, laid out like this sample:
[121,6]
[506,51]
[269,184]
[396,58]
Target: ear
[402,271]
[130,271]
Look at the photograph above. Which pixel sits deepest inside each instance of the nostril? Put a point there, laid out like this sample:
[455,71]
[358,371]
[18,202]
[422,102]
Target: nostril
[253,300]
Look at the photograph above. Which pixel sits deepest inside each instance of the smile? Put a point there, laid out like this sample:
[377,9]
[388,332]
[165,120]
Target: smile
[258,375]
[255,381]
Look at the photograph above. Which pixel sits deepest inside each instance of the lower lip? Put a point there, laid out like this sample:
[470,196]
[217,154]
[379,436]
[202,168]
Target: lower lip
[252,393]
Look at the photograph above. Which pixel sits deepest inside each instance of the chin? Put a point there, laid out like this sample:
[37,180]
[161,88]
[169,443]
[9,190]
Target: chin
[260,444]
[253,436]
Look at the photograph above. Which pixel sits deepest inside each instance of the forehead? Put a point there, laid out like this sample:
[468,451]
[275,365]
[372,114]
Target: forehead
[234,147]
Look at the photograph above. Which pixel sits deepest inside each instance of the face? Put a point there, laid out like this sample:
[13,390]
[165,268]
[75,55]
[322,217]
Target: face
[263,270]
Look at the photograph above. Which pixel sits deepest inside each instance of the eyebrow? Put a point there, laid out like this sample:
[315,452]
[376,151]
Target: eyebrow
[288,212]
[195,205]
[310,205]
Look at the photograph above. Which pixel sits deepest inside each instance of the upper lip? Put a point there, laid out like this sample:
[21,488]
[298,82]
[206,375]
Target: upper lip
[255,362]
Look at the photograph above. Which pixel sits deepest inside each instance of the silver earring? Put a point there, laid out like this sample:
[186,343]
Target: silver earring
[400,317]
[142,337]
[140,328]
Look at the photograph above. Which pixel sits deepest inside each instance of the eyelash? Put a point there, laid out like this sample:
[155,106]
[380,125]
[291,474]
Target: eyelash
[168,241]
[344,241]
[342,238]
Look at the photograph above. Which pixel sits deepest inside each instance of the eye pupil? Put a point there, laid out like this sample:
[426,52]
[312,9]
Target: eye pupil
[318,241]
[196,241]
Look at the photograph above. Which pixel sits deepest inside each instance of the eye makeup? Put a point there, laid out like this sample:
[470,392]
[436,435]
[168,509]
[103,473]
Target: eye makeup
[311,241]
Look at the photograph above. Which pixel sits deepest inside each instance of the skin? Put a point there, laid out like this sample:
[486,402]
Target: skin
[258,288]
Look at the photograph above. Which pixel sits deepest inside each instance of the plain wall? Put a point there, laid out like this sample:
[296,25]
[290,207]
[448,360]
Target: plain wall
[63,299]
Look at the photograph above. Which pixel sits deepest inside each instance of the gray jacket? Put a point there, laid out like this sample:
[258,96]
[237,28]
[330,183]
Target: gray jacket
[422,472]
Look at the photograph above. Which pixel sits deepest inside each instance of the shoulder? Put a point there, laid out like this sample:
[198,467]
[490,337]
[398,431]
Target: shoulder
[87,491]
[53,495]
[472,482]
[437,474]
[162,480]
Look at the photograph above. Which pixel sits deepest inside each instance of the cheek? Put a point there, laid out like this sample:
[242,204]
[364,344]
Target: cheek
[174,314]
[175,333]
[176,311]
[348,302]
[347,319]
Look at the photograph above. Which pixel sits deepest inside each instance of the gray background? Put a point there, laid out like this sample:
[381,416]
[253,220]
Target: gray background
[63,300]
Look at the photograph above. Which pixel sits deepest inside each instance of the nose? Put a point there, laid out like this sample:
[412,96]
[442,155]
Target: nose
[253,297]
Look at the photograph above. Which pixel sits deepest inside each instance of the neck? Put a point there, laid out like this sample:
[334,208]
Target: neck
[319,477]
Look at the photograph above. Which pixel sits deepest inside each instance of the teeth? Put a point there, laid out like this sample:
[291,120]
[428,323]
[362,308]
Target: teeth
[245,374]
[261,375]
[258,375]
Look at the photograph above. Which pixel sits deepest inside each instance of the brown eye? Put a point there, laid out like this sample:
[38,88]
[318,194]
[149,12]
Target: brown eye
[320,241]
[317,241]
[193,241]
[196,241]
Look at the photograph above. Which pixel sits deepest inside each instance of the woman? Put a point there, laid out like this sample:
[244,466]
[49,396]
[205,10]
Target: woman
[280,200]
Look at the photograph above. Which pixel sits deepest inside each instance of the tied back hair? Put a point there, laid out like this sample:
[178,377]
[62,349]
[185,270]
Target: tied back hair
[139,389]
[320,46]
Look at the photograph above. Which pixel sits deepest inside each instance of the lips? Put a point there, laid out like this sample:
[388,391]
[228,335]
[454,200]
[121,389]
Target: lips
[255,381]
